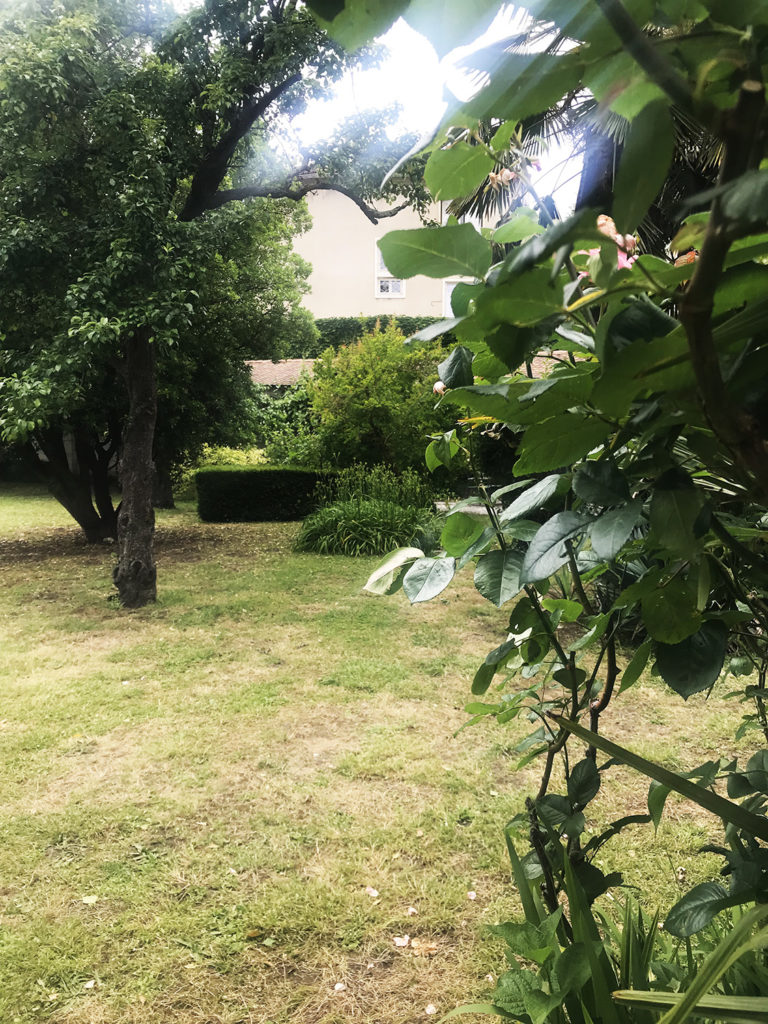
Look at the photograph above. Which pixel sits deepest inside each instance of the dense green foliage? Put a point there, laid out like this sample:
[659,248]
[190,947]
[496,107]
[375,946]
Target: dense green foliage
[284,426]
[369,510]
[372,401]
[335,331]
[366,526]
[256,494]
[407,488]
[641,461]
[125,132]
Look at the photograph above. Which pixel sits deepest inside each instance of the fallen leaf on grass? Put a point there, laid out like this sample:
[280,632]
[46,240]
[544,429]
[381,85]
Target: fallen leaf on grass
[421,948]
[401,940]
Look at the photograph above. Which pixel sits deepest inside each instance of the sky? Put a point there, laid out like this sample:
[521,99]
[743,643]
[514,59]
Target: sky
[413,78]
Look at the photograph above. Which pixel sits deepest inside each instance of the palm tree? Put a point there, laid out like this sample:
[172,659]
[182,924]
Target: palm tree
[597,139]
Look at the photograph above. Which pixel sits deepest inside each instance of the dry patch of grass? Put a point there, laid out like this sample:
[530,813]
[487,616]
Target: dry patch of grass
[200,796]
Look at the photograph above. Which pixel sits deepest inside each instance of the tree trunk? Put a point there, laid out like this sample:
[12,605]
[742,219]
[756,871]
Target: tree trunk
[73,490]
[597,174]
[94,460]
[135,574]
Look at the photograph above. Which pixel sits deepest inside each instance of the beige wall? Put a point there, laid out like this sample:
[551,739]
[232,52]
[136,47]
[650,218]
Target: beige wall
[341,246]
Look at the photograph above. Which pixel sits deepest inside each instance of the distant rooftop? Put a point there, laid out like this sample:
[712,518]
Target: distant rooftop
[280,374]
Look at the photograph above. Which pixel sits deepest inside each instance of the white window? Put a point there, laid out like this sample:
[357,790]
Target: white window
[386,286]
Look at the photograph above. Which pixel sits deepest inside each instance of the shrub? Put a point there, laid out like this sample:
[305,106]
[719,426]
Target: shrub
[255,494]
[215,456]
[408,489]
[284,426]
[372,402]
[366,526]
[335,331]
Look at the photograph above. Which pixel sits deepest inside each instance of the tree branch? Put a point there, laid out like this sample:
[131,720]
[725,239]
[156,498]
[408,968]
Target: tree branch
[736,428]
[296,192]
[658,69]
[215,164]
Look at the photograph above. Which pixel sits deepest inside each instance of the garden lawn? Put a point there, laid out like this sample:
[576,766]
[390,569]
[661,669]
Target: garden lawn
[225,808]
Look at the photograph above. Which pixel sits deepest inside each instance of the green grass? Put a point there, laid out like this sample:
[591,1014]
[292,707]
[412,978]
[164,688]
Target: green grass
[197,794]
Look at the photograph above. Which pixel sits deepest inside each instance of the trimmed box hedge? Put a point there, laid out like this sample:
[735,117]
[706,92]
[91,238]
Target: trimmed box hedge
[255,494]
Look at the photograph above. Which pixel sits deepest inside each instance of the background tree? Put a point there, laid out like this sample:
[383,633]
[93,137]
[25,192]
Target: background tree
[119,134]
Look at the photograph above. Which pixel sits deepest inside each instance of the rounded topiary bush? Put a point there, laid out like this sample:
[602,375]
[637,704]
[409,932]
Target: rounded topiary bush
[366,526]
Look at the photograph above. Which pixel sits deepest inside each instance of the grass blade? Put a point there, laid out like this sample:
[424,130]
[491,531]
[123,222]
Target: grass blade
[756,825]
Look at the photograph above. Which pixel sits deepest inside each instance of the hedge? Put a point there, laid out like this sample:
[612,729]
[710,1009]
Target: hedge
[336,331]
[255,494]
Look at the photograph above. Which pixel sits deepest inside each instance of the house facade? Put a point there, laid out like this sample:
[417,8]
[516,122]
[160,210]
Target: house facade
[349,277]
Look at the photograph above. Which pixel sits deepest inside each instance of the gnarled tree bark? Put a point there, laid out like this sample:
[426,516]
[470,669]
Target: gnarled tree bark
[135,574]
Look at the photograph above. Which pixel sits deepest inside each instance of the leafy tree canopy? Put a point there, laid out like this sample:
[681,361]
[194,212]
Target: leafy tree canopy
[124,131]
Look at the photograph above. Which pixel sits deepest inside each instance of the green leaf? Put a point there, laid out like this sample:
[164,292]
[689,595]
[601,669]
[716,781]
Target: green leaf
[462,295]
[695,663]
[546,552]
[456,370]
[634,669]
[696,909]
[522,302]
[569,610]
[579,225]
[493,662]
[427,578]
[436,252]
[677,514]
[612,530]
[583,783]
[657,798]
[755,824]
[456,24]
[556,812]
[748,933]
[670,612]
[600,483]
[383,576]
[745,202]
[497,575]
[523,223]
[433,331]
[459,532]
[644,164]
[485,399]
[455,172]
[559,441]
[727,1009]
[354,24]
[441,450]
[535,497]
[523,84]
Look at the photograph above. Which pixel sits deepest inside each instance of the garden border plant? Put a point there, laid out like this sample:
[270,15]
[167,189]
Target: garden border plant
[643,451]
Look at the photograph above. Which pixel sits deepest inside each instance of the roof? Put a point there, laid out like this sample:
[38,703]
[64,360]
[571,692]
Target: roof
[279,374]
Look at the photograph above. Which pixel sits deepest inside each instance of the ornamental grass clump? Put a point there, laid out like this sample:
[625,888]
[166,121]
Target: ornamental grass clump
[366,526]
